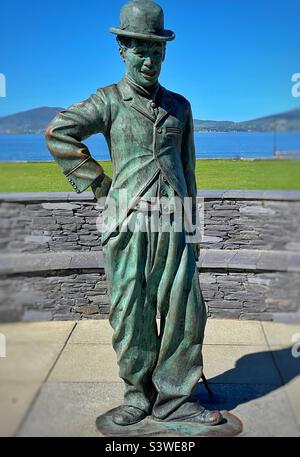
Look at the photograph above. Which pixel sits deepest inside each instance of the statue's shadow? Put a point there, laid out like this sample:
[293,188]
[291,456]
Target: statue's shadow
[254,376]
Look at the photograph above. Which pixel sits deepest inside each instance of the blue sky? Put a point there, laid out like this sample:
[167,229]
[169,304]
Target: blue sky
[233,59]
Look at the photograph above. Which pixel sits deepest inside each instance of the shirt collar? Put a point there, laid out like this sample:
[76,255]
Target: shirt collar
[142,91]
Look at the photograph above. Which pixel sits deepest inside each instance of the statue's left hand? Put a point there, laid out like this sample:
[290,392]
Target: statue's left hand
[101,186]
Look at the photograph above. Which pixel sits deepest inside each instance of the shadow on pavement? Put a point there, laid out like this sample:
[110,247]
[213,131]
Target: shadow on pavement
[253,376]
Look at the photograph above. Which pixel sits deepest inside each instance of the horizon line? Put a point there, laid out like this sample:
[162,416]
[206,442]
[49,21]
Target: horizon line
[194,118]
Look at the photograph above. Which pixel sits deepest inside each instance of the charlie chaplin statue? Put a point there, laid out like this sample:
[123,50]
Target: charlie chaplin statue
[149,131]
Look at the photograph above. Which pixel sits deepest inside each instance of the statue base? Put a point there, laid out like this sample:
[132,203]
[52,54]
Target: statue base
[231,426]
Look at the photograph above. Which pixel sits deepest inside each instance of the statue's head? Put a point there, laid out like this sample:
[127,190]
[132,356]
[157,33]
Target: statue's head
[142,40]
[143,59]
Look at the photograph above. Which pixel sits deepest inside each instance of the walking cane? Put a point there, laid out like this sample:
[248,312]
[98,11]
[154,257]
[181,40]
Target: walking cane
[206,385]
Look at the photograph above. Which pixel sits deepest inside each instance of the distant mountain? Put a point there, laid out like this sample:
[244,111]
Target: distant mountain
[36,120]
[213,126]
[289,120]
[32,121]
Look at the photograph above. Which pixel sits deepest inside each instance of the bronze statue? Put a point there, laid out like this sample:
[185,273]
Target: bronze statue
[149,131]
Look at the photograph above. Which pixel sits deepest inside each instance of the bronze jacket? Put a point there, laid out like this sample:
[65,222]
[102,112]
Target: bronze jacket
[140,145]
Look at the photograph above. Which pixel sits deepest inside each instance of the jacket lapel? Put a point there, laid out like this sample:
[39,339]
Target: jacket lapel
[165,103]
[140,108]
[165,106]
[129,95]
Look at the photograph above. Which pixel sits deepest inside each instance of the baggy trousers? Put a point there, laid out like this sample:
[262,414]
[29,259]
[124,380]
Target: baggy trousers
[148,271]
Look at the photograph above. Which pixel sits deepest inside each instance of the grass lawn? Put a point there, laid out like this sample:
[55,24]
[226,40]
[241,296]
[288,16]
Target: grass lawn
[211,174]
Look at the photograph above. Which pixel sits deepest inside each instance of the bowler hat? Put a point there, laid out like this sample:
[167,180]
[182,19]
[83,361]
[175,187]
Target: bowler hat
[143,19]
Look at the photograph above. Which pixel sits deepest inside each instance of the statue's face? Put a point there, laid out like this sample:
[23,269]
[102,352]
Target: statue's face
[143,61]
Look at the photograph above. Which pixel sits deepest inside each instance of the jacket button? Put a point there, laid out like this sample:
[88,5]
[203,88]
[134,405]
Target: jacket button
[165,179]
[159,130]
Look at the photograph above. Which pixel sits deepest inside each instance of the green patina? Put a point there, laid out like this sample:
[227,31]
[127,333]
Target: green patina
[149,131]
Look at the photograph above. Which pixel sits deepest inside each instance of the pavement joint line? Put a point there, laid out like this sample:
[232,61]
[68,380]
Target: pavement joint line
[61,351]
[273,357]
[264,334]
[281,377]
[32,403]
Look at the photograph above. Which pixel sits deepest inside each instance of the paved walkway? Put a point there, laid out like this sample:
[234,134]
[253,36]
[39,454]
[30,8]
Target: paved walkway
[57,377]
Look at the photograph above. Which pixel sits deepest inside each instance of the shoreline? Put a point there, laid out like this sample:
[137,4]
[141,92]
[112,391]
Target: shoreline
[295,156]
[200,132]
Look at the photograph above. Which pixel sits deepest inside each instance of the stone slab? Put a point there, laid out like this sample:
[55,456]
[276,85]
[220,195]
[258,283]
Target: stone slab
[293,392]
[215,258]
[218,332]
[37,332]
[287,361]
[293,261]
[258,407]
[71,409]
[86,363]
[264,409]
[15,401]
[92,332]
[25,263]
[234,332]
[280,195]
[287,318]
[28,363]
[279,334]
[46,196]
[275,260]
[245,259]
[239,364]
[210,194]
[271,416]
[34,315]
[60,206]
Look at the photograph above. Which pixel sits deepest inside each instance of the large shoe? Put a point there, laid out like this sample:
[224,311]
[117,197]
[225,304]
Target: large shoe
[202,416]
[128,415]
[206,417]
